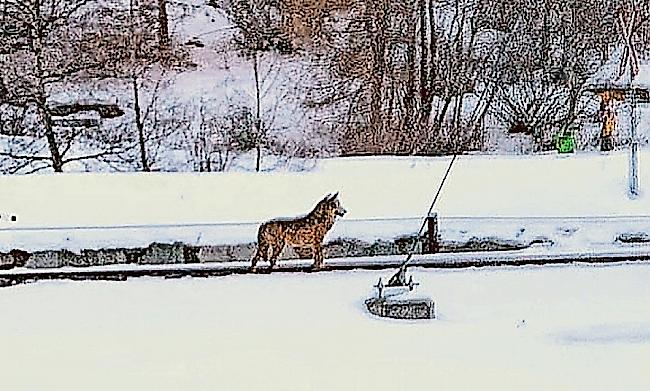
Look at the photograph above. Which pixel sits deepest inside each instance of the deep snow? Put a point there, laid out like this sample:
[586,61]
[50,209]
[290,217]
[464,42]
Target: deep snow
[534,328]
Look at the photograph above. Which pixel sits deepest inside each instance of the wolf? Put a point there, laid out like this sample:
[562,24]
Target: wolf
[304,231]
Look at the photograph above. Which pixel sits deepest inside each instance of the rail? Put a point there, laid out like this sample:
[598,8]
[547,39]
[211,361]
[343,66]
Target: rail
[220,269]
[353,220]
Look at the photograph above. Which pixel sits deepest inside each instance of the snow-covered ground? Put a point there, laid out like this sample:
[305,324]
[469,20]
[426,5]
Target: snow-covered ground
[535,328]
[578,201]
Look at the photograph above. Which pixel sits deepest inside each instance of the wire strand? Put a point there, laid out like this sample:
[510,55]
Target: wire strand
[433,203]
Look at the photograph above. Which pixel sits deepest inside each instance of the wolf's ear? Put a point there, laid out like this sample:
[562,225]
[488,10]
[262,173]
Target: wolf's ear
[327,197]
[334,196]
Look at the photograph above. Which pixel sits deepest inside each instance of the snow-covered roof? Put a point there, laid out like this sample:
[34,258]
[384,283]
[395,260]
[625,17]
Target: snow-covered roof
[608,75]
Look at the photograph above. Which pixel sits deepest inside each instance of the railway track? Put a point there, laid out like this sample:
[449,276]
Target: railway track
[441,261]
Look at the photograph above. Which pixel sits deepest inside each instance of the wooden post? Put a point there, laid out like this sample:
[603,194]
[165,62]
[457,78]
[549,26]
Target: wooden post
[432,234]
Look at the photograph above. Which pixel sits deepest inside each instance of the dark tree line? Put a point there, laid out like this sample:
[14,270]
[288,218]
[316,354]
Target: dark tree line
[418,76]
[387,77]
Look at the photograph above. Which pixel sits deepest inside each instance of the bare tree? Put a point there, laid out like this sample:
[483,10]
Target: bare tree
[220,138]
[54,45]
[548,51]
[136,28]
[259,31]
[48,45]
[139,53]
[163,26]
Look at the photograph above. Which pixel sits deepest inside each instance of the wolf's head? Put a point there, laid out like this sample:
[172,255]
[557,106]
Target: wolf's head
[331,205]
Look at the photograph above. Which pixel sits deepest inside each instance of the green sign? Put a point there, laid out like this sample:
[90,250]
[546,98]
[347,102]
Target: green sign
[565,143]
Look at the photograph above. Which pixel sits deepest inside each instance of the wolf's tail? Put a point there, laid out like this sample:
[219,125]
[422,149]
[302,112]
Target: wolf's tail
[262,246]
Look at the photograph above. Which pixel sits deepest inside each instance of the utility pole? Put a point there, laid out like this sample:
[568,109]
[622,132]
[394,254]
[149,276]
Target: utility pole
[630,59]
[634,146]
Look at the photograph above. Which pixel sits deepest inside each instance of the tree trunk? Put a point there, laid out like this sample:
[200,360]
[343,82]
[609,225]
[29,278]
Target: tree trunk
[258,120]
[136,90]
[441,118]
[391,105]
[408,134]
[443,112]
[378,48]
[57,159]
[458,123]
[163,26]
[140,125]
[424,55]
[53,146]
[428,41]
[477,122]
[425,68]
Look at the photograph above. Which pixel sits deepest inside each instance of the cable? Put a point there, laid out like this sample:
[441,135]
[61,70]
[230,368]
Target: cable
[424,223]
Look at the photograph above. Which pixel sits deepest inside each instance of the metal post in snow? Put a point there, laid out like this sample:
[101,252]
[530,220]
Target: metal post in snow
[630,56]
[432,234]
[634,147]
[634,151]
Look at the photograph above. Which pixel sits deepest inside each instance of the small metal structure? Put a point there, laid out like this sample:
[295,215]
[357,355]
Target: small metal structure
[399,279]
[402,309]
[83,114]
[412,307]
[385,305]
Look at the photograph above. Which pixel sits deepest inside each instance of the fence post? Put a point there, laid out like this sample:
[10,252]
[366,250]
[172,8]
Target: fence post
[432,234]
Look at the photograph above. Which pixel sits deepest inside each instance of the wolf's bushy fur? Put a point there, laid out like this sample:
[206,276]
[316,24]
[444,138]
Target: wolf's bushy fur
[305,231]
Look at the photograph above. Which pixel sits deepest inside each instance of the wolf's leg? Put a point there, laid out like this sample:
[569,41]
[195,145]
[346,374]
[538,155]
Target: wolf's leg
[254,260]
[277,249]
[262,253]
[318,255]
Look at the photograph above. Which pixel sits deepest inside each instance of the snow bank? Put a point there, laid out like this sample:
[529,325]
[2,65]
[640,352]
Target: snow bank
[551,328]
[547,185]
[385,198]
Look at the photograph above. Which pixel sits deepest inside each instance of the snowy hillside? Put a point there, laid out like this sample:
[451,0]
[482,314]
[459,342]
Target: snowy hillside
[216,79]
[175,103]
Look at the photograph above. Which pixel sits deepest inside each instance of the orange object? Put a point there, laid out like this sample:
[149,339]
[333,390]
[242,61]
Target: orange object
[607,110]
[609,123]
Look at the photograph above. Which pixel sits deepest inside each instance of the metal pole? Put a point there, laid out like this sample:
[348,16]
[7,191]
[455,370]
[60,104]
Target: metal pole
[634,156]
[432,223]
